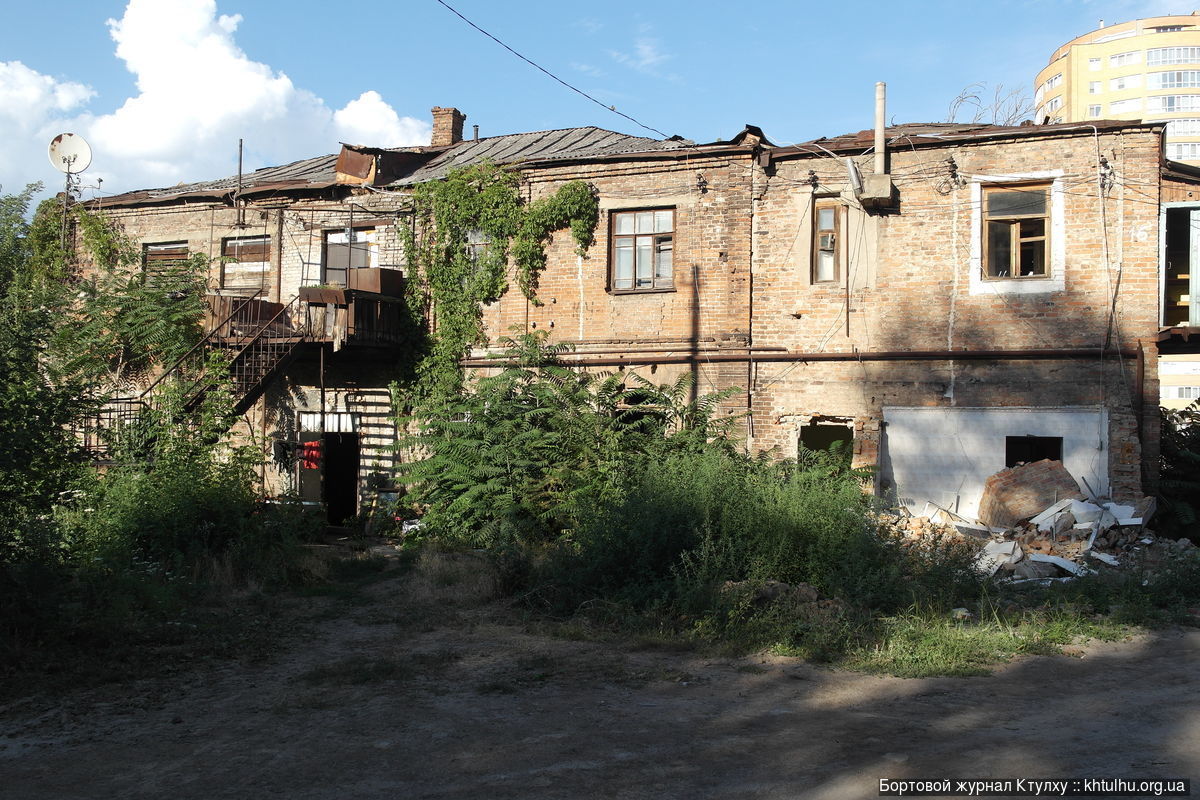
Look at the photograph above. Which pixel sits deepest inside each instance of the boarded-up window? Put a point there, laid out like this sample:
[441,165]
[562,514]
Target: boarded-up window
[347,250]
[165,264]
[245,263]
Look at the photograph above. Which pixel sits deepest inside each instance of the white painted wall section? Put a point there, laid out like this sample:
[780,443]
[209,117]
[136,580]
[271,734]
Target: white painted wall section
[945,455]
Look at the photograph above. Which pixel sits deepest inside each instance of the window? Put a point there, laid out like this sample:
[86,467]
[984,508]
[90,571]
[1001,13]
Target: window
[346,250]
[1124,59]
[1167,28]
[1028,449]
[1125,82]
[1172,55]
[1094,87]
[1181,392]
[1182,79]
[1055,103]
[164,263]
[825,243]
[1093,64]
[1015,232]
[1054,82]
[1093,111]
[1183,127]
[1169,103]
[1183,151]
[1125,106]
[245,262]
[642,250]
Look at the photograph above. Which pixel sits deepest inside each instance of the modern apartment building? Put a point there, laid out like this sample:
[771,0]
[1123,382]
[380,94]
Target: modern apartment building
[1146,69]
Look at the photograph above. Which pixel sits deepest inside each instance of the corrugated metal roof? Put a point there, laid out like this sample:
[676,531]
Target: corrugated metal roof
[931,134]
[306,173]
[564,144]
[313,173]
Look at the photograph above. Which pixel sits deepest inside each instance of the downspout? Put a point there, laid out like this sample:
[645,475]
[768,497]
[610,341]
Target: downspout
[277,258]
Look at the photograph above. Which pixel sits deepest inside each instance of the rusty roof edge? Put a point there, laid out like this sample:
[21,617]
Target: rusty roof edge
[918,140]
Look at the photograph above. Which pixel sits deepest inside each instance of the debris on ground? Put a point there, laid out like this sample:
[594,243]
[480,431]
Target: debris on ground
[1035,525]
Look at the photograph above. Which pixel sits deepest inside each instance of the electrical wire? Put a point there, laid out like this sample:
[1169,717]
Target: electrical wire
[542,69]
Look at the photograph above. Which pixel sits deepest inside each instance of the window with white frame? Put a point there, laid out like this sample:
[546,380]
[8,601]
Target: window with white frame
[1169,103]
[1181,392]
[1125,106]
[1183,151]
[1125,59]
[1055,104]
[1183,127]
[1093,111]
[641,258]
[1093,64]
[1167,28]
[1054,82]
[826,266]
[1125,82]
[1175,79]
[1094,87]
[1163,56]
[1016,231]
[346,250]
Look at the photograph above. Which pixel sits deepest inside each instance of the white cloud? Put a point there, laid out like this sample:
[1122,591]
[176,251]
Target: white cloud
[588,69]
[646,57]
[197,94]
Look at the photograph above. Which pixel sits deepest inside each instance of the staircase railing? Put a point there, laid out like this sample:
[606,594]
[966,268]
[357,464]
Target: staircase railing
[260,346]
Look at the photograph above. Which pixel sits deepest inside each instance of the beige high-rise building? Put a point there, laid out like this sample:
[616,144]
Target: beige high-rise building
[1146,69]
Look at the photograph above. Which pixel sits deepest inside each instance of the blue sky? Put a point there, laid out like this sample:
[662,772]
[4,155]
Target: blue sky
[164,91]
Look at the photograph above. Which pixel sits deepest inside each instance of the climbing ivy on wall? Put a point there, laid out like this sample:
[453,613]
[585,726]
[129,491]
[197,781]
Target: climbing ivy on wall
[465,228]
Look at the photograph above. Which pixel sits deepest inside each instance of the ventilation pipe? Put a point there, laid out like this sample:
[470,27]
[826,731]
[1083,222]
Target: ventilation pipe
[880,122]
[877,187]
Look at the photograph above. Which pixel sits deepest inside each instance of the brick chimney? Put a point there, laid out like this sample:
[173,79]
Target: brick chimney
[447,126]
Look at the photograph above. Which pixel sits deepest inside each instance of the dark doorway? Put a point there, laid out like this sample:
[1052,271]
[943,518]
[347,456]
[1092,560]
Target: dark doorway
[827,439]
[1027,449]
[341,476]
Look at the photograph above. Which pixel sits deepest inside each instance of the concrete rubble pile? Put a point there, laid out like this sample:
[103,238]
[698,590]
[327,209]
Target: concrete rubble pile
[1035,525]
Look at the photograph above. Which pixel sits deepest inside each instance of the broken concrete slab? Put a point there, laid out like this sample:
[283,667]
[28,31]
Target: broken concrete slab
[1062,563]
[1020,492]
[1034,570]
[995,555]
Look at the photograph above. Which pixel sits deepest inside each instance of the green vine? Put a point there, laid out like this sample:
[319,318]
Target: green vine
[465,229]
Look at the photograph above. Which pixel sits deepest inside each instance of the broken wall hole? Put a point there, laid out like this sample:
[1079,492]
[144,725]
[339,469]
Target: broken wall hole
[1028,449]
[826,437]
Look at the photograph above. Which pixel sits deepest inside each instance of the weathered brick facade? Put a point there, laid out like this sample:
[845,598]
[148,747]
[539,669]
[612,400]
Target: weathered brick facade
[909,323]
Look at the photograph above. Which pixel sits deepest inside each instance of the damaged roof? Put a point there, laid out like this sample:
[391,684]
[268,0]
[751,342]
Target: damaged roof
[939,134]
[428,163]
[558,145]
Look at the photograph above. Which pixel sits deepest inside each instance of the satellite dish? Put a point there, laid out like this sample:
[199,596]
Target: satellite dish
[69,153]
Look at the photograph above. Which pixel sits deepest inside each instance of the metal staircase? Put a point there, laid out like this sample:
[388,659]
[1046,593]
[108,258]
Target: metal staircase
[256,346]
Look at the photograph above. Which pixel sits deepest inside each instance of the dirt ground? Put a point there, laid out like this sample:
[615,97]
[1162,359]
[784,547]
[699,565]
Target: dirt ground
[416,688]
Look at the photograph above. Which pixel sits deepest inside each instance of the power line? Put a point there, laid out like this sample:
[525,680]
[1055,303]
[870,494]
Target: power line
[575,89]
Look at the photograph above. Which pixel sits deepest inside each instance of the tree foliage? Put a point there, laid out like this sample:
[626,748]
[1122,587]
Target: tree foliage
[465,228]
[529,451]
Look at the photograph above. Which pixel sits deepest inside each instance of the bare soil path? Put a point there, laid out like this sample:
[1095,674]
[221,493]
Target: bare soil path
[417,689]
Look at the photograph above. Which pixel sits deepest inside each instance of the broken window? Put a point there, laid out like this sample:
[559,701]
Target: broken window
[164,263]
[245,262]
[826,266]
[1016,231]
[643,243]
[1027,449]
[346,250]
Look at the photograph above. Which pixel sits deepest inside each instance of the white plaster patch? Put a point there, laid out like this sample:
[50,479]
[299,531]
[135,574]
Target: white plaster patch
[945,455]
